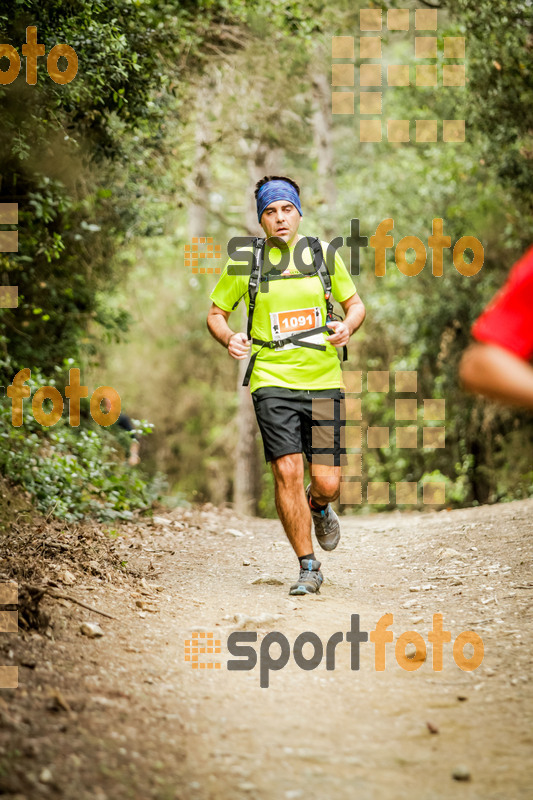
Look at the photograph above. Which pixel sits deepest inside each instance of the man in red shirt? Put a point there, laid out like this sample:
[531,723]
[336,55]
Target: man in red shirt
[496,365]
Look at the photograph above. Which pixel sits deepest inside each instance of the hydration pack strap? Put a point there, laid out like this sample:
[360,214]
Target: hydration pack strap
[297,338]
[276,344]
[255,280]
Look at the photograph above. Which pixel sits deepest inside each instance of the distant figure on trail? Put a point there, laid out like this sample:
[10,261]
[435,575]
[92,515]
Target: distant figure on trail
[126,424]
[496,365]
[294,372]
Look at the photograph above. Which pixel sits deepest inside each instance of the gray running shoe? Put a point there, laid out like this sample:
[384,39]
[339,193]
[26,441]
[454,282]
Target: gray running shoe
[327,527]
[310,579]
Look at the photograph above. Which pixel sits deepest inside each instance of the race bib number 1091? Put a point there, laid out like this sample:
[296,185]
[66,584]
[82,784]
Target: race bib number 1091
[283,323]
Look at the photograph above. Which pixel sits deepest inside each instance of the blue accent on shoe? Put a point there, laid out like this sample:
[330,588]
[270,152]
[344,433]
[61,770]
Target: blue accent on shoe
[310,578]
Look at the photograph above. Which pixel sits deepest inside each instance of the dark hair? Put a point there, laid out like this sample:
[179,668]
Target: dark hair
[268,178]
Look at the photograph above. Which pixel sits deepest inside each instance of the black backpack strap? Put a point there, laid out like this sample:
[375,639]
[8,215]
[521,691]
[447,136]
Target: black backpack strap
[255,280]
[258,245]
[325,278]
[253,287]
[294,338]
[322,271]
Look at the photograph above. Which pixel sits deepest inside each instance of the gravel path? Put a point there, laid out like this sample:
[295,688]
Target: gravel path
[126,716]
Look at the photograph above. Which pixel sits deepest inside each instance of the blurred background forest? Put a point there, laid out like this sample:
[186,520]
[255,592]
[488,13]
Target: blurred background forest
[176,111]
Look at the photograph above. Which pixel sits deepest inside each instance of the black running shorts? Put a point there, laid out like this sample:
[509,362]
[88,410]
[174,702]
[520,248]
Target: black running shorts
[301,421]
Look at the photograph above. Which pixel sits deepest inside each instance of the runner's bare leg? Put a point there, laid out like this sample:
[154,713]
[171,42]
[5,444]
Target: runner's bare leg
[325,483]
[291,503]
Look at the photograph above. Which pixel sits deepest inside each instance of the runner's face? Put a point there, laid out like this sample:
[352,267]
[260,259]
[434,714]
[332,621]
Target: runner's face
[281,219]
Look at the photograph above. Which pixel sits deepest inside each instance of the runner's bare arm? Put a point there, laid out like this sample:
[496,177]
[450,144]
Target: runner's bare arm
[355,313]
[217,323]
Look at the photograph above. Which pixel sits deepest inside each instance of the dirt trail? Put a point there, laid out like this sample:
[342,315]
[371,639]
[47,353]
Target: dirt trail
[130,718]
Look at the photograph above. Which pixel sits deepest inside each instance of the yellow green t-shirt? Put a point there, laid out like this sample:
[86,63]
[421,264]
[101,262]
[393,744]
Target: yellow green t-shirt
[291,304]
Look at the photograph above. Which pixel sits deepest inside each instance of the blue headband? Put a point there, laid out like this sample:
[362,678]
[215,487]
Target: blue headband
[276,190]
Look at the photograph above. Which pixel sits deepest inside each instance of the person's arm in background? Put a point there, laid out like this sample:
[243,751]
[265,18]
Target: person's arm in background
[134,457]
[497,373]
[125,422]
[496,365]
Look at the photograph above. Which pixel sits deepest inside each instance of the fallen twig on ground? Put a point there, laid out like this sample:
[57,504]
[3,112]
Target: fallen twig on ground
[62,596]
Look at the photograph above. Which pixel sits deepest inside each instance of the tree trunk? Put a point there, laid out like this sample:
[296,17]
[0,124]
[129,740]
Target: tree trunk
[200,176]
[324,151]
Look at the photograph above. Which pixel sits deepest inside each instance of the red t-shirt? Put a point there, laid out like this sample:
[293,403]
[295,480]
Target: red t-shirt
[507,321]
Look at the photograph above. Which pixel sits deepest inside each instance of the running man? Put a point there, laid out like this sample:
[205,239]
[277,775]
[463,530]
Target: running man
[295,373]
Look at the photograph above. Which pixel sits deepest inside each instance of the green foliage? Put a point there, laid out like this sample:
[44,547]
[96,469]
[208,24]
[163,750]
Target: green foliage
[58,148]
[73,472]
[420,323]
[500,85]
[101,169]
